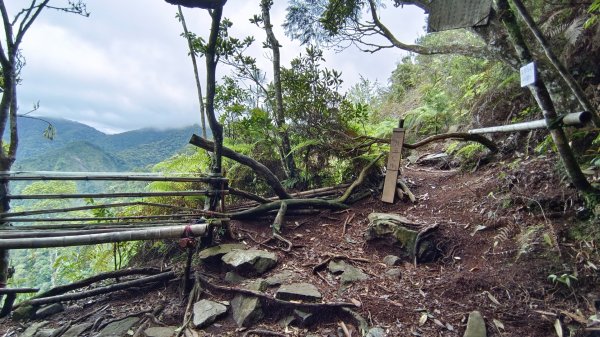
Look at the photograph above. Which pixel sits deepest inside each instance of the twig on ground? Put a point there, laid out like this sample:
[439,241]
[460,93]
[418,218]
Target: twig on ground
[262,332]
[349,218]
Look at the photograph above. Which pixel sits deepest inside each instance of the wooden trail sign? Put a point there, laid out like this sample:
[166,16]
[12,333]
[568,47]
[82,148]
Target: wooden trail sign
[393,166]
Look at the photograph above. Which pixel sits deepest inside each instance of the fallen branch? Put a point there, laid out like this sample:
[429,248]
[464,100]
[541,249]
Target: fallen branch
[291,204]
[257,167]
[96,278]
[358,181]
[407,191]
[101,290]
[248,195]
[262,332]
[451,135]
[270,299]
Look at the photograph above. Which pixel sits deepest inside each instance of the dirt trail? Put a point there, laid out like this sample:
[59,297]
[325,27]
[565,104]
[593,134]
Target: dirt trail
[497,252]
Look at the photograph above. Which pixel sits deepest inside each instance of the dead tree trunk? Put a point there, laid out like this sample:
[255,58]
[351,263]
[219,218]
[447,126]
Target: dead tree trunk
[286,149]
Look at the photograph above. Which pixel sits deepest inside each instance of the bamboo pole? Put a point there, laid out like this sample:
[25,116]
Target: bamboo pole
[107,176]
[114,195]
[100,225]
[17,234]
[108,218]
[84,208]
[92,239]
[576,119]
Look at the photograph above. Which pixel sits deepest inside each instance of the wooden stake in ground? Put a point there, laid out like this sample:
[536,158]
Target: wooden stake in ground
[393,165]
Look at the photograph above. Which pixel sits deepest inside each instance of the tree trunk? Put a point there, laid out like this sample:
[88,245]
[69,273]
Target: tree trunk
[195,65]
[216,128]
[542,97]
[286,155]
[560,68]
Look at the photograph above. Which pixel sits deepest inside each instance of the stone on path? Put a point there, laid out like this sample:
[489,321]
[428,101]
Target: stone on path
[298,292]
[214,254]
[160,331]
[49,310]
[250,261]
[118,328]
[77,330]
[281,278]
[349,272]
[206,312]
[233,278]
[391,260]
[393,273]
[475,325]
[33,329]
[247,310]
[376,332]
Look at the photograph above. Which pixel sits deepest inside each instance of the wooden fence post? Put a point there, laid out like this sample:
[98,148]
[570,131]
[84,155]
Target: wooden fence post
[393,164]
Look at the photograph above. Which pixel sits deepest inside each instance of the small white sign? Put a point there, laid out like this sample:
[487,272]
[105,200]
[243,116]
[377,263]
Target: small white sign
[528,74]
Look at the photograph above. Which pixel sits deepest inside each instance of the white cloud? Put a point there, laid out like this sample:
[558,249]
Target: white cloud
[126,66]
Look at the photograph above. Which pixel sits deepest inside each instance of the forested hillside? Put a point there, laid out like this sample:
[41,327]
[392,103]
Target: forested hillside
[382,209]
[77,147]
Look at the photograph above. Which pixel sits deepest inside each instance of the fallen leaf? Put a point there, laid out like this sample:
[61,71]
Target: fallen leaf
[498,324]
[356,302]
[450,327]
[423,319]
[438,323]
[558,328]
[492,298]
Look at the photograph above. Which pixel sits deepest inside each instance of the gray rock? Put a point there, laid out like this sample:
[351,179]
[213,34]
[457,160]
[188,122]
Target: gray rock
[376,332]
[49,310]
[302,318]
[349,272]
[233,278]
[256,285]
[118,328]
[246,310]
[475,325]
[214,254]
[250,261]
[44,332]
[298,292]
[206,312]
[336,267]
[352,274]
[160,331]
[33,329]
[280,278]
[393,273]
[77,330]
[392,260]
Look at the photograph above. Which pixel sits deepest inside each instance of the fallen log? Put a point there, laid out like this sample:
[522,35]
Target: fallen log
[170,232]
[101,290]
[291,204]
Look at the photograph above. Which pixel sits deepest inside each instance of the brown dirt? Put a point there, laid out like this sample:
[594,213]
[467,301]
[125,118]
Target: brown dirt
[498,270]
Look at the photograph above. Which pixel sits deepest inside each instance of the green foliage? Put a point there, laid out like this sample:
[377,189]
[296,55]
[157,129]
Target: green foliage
[594,11]
[565,279]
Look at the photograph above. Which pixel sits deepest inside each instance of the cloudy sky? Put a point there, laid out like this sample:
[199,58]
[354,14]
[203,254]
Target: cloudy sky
[126,66]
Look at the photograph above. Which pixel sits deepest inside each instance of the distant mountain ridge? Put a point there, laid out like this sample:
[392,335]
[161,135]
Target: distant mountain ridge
[79,147]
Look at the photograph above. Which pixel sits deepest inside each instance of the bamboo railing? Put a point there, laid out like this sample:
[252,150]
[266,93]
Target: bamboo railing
[69,231]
